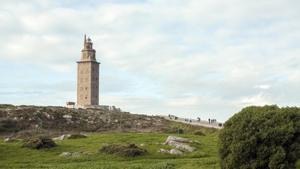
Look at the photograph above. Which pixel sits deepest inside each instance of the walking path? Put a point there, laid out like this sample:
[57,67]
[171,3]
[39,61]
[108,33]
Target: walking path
[195,122]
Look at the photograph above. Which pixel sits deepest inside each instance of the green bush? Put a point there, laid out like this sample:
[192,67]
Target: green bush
[2,106]
[261,138]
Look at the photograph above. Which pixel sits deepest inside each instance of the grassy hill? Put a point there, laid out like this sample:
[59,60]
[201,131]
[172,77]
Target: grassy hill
[205,157]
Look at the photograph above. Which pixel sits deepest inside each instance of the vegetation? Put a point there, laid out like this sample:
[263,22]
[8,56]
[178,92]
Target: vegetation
[205,157]
[39,143]
[199,133]
[261,138]
[8,125]
[129,150]
[180,128]
[257,137]
[76,136]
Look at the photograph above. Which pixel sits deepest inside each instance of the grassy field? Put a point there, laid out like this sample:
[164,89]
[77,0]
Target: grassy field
[206,156]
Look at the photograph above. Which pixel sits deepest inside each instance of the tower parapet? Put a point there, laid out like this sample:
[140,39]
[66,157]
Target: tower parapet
[88,53]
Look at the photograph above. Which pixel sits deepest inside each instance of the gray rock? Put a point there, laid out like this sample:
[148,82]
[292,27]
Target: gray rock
[176,152]
[65,154]
[76,154]
[62,137]
[178,139]
[70,154]
[7,140]
[180,143]
[10,140]
[185,147]
[163,151]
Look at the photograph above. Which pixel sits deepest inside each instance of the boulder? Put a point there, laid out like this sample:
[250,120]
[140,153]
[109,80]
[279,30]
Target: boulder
[176,152]
[76,154]
[181,146]
[70,154]
[180,143]
[69,136]
[163,151]
[65,154]
[178,139]
[62,137]
[185,147]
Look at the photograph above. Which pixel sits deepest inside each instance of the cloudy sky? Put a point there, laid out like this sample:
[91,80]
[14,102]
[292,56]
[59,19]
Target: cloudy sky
[191,58]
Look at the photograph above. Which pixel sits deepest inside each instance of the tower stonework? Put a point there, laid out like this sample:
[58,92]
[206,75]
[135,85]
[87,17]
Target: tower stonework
[87,76]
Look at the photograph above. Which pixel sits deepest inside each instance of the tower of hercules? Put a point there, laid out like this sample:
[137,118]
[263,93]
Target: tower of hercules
[87,76]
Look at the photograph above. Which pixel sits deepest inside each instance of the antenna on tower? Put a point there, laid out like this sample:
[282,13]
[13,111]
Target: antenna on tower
[84,39]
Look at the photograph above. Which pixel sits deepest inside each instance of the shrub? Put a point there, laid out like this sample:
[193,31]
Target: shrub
[8,125]
[39,143]
[129,150]
[6,106]
[199,133]
[76,136]
[180,131]
[261,138]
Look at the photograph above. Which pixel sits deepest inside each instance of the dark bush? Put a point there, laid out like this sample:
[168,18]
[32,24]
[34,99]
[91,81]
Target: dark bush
[39,143]
[129,150]
[174,130]
[261,138]
[199,133]
[180,131]
[8,125]
[76,136]
[6,106]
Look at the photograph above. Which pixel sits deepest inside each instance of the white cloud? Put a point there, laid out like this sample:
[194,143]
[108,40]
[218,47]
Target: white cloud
[263,86]
[203,56]
[258,100]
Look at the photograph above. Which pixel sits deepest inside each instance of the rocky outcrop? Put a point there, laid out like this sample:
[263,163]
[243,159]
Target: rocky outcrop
[180,145]
[176,152]
[172,151]
[71,154]
[177,139]
[21,118]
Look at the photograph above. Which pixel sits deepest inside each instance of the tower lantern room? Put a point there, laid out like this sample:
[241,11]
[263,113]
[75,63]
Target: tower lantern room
[88,53]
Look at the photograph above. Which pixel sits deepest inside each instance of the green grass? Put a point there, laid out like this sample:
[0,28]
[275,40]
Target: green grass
[206,156]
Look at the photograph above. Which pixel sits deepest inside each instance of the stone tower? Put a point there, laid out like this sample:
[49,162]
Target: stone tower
[87,76]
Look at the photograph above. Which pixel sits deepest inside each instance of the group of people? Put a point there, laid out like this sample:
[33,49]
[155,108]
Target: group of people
[188,120]
[172,117]
[212,121]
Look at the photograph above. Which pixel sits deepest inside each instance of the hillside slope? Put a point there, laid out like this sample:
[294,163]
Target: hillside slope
[18,119]
[205,157]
